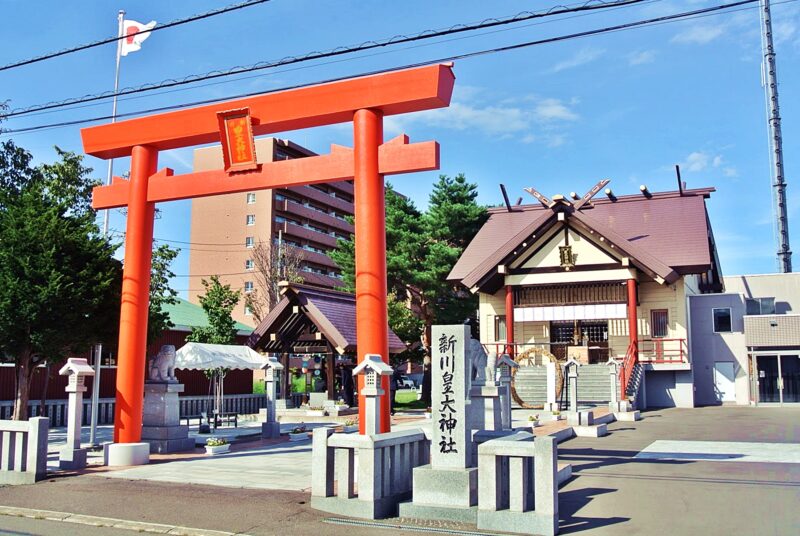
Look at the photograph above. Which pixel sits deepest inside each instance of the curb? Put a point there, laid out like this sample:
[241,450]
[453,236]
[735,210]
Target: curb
[139,526]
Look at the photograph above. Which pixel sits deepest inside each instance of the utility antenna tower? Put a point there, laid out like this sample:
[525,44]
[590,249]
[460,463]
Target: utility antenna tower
[770,80]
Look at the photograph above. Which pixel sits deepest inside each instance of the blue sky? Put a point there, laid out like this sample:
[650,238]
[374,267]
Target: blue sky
[559,117]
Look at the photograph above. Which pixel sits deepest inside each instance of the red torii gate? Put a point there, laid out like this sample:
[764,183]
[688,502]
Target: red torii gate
[364,101]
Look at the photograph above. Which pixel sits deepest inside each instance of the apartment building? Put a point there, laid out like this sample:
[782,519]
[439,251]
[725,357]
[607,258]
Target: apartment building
[225,229]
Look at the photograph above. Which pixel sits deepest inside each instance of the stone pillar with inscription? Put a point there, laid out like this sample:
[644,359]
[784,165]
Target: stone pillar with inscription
[447,487]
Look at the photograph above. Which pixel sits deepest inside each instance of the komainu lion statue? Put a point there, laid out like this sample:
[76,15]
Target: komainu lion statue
[162,366]
[477,358]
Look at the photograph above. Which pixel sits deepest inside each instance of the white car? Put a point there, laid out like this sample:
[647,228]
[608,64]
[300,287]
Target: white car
[406,383]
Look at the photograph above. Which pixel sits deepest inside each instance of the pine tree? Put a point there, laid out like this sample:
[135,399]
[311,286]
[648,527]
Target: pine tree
[59,282]
[421,250]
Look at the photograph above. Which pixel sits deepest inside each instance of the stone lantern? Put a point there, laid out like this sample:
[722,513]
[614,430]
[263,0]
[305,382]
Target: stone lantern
[373,369]
[270,427]
[505,364]
[571,368]
[72,456]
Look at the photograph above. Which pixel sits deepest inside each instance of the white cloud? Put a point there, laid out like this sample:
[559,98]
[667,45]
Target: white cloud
[717,161]
[553,109]
[696,161]
[582,57]
[531,119]
[730,172]
[698,34]
[641,57]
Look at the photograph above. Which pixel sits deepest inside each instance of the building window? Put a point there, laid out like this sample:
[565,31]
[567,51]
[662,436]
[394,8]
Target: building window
[500,328]
[248,264]
[659,323]
[247,310]
[249,242]
[248,286]
[251,219]
[251,198]
[722,320]
[760,306]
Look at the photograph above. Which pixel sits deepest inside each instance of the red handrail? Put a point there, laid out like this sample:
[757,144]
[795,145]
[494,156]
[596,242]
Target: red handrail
[626,370]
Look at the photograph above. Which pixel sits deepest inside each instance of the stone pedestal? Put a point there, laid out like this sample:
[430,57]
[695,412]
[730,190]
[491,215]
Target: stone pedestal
[580,418]
[161,427]
[124,454]
[485,411]
[269,429]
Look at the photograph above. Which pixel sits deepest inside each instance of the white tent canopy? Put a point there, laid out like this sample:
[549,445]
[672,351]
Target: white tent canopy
[201,356]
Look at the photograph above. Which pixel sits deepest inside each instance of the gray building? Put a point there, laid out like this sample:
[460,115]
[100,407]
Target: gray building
[745,343]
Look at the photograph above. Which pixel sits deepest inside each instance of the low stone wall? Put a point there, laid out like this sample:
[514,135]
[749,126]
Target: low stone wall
[23,451]
[385,465]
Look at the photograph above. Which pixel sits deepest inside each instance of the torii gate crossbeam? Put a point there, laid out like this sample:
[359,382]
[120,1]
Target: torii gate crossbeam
[364,101]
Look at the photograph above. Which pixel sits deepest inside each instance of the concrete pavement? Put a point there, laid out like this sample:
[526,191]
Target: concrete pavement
[613,490]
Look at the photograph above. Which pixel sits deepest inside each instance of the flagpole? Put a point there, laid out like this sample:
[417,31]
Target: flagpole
[99,349]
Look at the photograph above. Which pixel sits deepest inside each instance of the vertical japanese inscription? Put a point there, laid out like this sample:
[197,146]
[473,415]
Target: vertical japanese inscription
[450,447]
[448,414]
[236,135]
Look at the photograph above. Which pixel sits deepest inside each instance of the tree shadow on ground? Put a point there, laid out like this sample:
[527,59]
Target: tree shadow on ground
[595,458]
[570,502]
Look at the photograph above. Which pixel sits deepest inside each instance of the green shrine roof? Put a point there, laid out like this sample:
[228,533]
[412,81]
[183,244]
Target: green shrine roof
[186,315]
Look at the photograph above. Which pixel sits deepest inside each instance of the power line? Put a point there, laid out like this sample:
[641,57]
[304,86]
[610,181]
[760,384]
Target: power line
[590,5]
[713,10]
[172,24]
[342,60]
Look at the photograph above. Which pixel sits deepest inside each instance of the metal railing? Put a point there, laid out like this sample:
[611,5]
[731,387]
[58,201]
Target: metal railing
[56,410]
[663,351]
[626,370]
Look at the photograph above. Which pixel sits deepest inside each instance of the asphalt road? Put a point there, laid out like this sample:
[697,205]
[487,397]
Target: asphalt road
[612,492]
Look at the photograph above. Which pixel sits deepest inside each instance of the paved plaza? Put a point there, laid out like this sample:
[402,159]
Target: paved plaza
[716,470]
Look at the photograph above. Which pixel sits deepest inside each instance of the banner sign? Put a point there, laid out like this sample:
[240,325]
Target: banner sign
[236,135]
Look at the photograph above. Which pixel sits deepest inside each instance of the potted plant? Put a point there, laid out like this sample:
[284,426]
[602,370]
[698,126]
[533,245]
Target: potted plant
[316,411]
[533,420]
[556,415]
[351,425]
[217,445]
[298,433]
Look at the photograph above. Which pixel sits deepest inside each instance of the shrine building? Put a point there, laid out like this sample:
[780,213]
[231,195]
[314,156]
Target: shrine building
[597,277]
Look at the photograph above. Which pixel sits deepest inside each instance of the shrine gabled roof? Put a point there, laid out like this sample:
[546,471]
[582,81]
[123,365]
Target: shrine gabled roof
[331,312]
[666,234]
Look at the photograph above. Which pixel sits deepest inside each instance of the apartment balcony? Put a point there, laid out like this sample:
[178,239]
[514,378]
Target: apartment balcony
[342,186]
[317,258]
[311,278]
[297,209]
[297,231]
[323,199]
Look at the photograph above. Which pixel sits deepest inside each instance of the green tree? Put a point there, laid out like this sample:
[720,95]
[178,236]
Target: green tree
[161,295]
[218,302]
[59,282]
[421,250]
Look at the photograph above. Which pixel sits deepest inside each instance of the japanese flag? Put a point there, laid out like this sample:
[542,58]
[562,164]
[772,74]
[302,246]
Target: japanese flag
[132,38]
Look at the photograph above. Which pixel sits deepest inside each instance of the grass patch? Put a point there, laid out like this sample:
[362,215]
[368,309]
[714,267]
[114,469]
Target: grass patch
[407,399]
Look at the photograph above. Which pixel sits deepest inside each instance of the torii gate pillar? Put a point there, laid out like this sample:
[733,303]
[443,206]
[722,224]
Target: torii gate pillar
[135,296]
[370,216]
